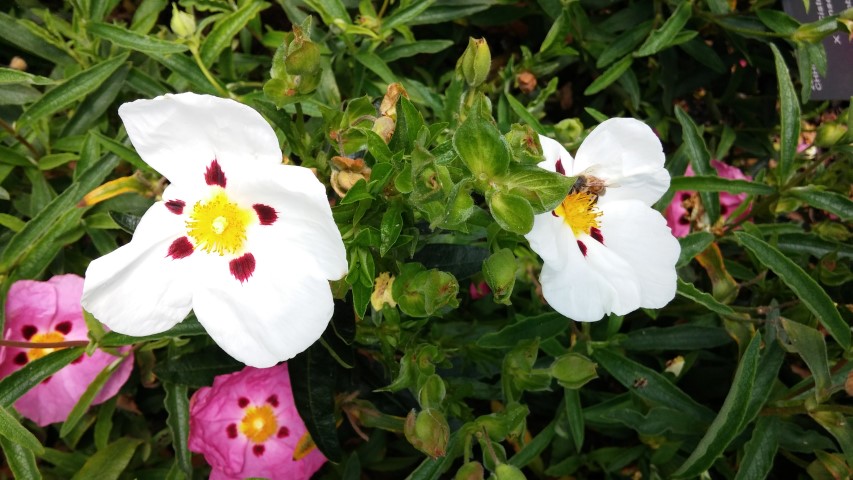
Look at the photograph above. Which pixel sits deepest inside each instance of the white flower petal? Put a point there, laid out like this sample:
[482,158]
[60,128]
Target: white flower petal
[180,135]
[304,221]
[138,289]
[641,237]
[278,312]
[554,151]
[550,238]
[628,155]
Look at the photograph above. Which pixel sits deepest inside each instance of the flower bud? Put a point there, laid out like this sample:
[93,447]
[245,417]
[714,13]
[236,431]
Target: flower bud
[432,393]
[183,23]
[569,131]
[346,172]
[388,107]
[470,471]
[476,61]
[304,59]
[428,431]
[384,126]
[526,81]
[829,134]
[573,370]
[506,471]
[18,63]
[382,292]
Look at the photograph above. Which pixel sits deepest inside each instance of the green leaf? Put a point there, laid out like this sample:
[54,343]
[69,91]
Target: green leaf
[609,76]
[709,183]
[12,429]
[396,52]
[94,106]
[109,463]
[375,64]
[534,447]
[811,347]
[10,75]
[14,224]
[725,426]
[197,369]
[811,244]
[226,29]
[16,33]
[124,152]
[692,245]
[804,287]
[312,376]
[391,226]
[183,66]
[134,41]
[790,117]
[525,116]
[188,328]
[23,380]
[178,408]
[544,190]
[830,201]
[665,36]
[104,423]
[433,468]
[512,212]
[678,337]
[405,15]
[574,414]
[463,261]
[82,405]
[700,158]
[482,147]
[650,385]
[450,11]
[72,90]
[687,290]
[623,44]
[20,460]
[760,450]
[544,326]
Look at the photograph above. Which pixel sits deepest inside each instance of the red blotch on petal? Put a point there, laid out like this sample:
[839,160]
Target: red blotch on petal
[176,206]
[47,379]
[258,450]
[273,400]
[560,169]
[283,432]
[266,214]
[21,359]
[724,210]
[243,402]
[180,248]
[214,175]
[231,430]
[685,196]
[28,331]
[582,247]
[596,234]
[77,360]
[63,327]
[683,220]
[242,267]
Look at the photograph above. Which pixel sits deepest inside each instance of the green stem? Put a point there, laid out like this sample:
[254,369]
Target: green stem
[70,343]
[207,73]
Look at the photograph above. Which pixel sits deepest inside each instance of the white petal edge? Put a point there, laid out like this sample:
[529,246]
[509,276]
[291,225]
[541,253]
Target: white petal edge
[137,289]
[180,135]
[628,155]
[553,150]
[640,236]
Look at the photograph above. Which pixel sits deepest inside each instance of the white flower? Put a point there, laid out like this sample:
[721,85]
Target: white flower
[246,242]
[605,250]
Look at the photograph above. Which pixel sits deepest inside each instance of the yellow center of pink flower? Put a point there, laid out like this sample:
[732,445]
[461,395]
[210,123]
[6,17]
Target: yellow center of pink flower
[579,212]
[218,225]
[48,337]
[258,423]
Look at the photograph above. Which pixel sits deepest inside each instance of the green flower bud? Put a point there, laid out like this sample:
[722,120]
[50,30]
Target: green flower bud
[432,393]
[303,60]
[476,61]
[829,134]
[183,23]
[506,471]
[573,370]
[428,431]
[470,471]
[569,131]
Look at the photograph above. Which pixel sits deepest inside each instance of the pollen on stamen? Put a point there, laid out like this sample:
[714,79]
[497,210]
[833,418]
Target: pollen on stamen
[582,247]
[242,267]
[596,234]
[28,331]
[180,248]
[560,169]
[266,214]
[176,206]
[63,327]
[214,175]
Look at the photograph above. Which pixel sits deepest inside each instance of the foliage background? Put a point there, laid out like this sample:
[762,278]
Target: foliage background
[761,320]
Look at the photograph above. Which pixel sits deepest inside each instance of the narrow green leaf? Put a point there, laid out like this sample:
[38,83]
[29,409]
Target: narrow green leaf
[524,115]
[404,15]
[726,425]
[396,52]
[82,405]
[760,450]
[135,41]
[178,407]
[790,117]
[700,158]
[109,463]
[830,201]
[196,369]
[449,11]
[811,347]
[104,423]
[226,29]
[804,287]
[811,244]
[664,36]
[768,370]
[650,384]
[12,429]
[708,183]
[188,328]
[23,380]
[14,224]
[72,90]
[692,245]
[678,337]
[20,460]
[623,44]
[124,152]
[183,66]
[433,468]
[574,414]
[96,104]
[312,375]
[375,64]
[17,34]
[687,290]
[609,76]
[535,447]
[544,326]
[10,75]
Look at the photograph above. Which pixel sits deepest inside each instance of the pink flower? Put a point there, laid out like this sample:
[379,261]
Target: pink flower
[49,312]
[678,214]
[479,290]
[246,425]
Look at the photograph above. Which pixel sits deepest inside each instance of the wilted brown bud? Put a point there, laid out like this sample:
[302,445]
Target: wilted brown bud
[346,172]
[18,63]
[526,82]
[384,126]
[388,107]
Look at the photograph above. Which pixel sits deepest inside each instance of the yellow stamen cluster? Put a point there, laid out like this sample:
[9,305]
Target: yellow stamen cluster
[258,423]
[49,337]
[218,225]
[579,212]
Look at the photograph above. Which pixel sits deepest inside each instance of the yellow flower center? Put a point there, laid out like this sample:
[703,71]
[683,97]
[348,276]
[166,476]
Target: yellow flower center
[259,423]
[218,225]
[49,337]
[579,212]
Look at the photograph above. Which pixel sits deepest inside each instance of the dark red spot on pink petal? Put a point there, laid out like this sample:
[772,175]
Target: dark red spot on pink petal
[266,214]
[47,379]
[214,175]
[724,210]
[582,247]
[28,331]
[231,430]
[243,402]
[273,400]
[63,327]
[683,220]
[685,196]
[560,169]
[77,360]
[283,432]
[176,206]
[596,234]
[180,248]
[258,450]
[242,267]
[21,359]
